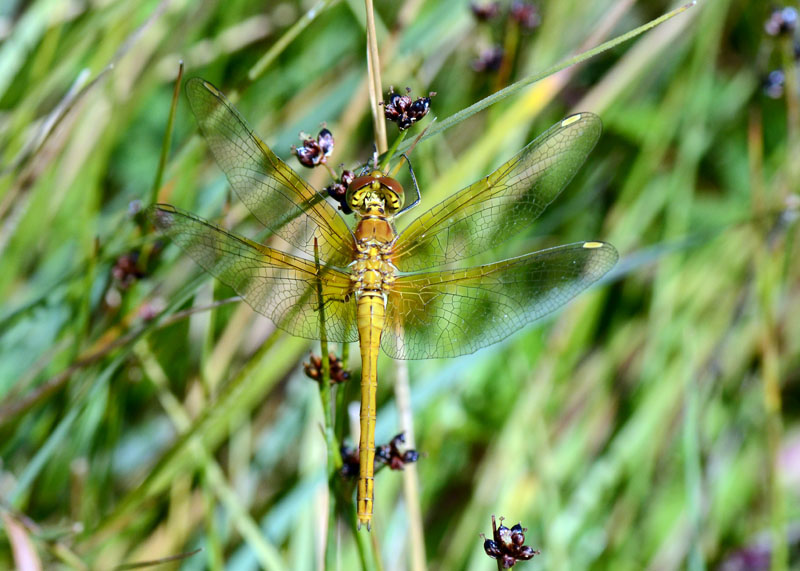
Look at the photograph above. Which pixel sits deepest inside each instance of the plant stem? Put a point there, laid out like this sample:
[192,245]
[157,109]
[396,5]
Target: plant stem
[374,71]
[276,49]
[390,153]
[325,379]
[332,445]
[165,144]
[402,392]
[494,535]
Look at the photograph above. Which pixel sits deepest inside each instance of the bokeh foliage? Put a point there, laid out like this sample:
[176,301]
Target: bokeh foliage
[651,423]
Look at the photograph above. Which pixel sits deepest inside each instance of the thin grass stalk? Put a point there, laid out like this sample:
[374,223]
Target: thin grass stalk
[494,534]
[214,545]
[159,561]
[439,126]
[376,550]
[693,471]
[70,558]
[512,89]
[770,378]
[402,392]
[333,455]
[390,153]
[325,380]
[340,421]
[83,330]
[167,141]
[374,72]
[792,114]
[262,64]
[367,554]
[510,44]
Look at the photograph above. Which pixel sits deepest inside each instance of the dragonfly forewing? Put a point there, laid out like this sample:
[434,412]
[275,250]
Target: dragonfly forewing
[502,204]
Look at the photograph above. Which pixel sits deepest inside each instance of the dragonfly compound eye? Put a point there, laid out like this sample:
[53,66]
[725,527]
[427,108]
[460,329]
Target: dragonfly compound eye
[393,194]
[388,189]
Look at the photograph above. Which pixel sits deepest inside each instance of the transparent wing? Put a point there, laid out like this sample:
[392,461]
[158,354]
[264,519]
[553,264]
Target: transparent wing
[456,312]
[502,204]
[278,285]
[276,195]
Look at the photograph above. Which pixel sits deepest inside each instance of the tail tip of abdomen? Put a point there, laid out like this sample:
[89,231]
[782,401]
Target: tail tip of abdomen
[364,519]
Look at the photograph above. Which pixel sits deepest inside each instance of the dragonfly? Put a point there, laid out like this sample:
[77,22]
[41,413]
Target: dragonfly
[399,291]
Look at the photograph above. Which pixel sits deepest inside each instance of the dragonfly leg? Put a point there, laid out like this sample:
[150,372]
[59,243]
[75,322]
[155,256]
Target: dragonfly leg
[331,300]
[416,187]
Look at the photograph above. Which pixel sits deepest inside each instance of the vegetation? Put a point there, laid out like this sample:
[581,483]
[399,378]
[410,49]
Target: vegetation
[652,423]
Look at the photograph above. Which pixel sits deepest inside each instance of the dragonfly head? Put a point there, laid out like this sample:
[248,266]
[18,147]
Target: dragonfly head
[375,190]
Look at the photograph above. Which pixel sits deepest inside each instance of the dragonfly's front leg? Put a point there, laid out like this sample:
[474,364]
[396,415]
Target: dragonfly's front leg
[330,300]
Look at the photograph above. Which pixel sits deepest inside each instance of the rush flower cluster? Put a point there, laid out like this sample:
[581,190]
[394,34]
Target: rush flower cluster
[403,110]
[507,545]
[314,152]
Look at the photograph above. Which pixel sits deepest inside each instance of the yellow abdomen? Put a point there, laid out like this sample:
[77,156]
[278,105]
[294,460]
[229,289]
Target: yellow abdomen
[371,318]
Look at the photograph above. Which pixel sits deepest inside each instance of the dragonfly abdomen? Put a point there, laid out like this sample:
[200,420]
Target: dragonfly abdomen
[371,316]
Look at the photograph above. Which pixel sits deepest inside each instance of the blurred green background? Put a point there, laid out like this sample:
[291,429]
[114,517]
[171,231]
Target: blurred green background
[652,423]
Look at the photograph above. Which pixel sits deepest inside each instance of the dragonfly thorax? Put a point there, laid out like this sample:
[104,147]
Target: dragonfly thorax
[375,191]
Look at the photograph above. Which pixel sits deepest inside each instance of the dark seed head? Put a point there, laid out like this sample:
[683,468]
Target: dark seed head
[126,269]
[313,369]
[349,462]
[485,11]
[398,100]
[403,110]
[504,537]
[526,553]
[774,83]
[491,549]
[309,154]
[314,151]
[347,177]
[518,534]
[383,453]
[489,60]
[781,22]
[336,191]
[390,454]
[325,141]
[508,543]
[526,14]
